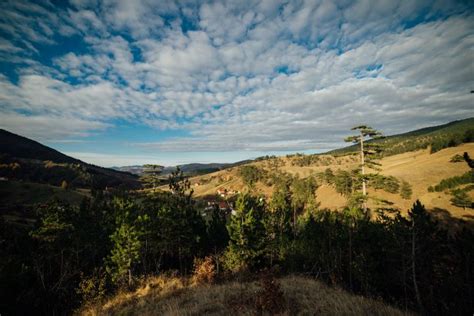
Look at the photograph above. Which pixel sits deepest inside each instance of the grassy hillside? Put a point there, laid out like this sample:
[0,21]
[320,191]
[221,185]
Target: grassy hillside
[175,296]
[19,199]
[435,137]
[25,159]
[420,169]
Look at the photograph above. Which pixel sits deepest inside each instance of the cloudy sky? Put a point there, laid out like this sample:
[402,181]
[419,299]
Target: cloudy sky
[130,82]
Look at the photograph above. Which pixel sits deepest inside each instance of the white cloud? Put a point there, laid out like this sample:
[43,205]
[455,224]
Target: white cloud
[264,76]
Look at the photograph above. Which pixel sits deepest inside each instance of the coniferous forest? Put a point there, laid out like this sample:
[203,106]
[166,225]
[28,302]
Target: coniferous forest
[81,254]
[226,157]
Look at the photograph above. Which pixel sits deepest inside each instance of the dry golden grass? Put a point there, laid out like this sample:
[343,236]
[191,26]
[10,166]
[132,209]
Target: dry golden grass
[420,168]
[174,296]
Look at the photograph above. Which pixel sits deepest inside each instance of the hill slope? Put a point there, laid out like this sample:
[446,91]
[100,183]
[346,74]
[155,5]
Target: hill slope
[420,169]
[301,296]
[436,137]
[25,159]
[21,147]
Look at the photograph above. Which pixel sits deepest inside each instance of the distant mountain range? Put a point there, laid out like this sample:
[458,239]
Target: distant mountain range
[191,169]
[24,159]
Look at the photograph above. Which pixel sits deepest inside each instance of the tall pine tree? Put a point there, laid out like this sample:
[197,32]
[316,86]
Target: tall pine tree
[247,234]
[125,252]
[369,153]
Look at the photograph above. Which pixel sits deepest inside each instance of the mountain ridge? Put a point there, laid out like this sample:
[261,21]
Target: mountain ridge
[438,137]
[25,159]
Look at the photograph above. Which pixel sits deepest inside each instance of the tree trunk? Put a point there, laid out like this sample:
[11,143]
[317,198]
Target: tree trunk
[413,266]
[294,222]
[362,159]
[350,258]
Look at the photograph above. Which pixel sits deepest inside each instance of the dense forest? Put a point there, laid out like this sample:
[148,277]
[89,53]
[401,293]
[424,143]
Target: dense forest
[76,255]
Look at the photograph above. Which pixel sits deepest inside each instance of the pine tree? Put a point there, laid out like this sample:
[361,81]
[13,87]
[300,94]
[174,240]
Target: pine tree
[151,175]
[343,182]
[125,252]
[126,244]
[54,256]
[246,233]
[461,199]
[176,231]
[422,246]
[302,197]
[468,160]
[277,221]
[369,153]
[217,233]
[406,190]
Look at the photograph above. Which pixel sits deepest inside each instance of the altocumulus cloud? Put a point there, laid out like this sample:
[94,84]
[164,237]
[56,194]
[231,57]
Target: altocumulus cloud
[234,75]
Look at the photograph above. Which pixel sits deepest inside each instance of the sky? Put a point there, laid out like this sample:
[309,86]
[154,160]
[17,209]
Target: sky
[170,82]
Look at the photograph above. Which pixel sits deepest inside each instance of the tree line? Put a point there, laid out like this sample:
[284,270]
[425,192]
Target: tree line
[72,255]
[75,255]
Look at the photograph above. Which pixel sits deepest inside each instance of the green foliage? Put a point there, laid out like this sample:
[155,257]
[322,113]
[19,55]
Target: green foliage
[217,234]
[151,175]
[328,176]
[303,193]
[77,175]
[277,223]
[457,158]
[370,153]
[437,137]
[461,199]
[442,141]
[65,241]
[266,157]
[92,289]
[179,185]
[126,245]
[247,234]
[175,232]
[56,223]
[275,163]
[343,182]
[305,160]
[51,265]
[389,184]
[406,190]
[251,174]
[454,182]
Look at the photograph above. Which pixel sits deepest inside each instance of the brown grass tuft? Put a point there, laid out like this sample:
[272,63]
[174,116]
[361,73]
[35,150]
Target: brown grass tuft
[270,298]
[204,271]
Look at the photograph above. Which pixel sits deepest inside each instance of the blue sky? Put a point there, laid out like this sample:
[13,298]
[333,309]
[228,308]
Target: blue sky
[131,82]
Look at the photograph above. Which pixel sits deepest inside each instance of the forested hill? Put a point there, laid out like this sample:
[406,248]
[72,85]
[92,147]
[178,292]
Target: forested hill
[21,147]
[24,159]
[435,137]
